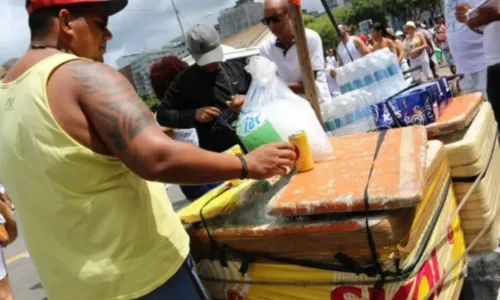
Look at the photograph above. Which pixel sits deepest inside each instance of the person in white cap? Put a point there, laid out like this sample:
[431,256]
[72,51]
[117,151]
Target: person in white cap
[422,30]
[209,95]
[400,35]
[416,47]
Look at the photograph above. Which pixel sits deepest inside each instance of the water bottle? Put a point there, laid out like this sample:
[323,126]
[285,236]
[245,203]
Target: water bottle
[373,88]
[326,111]
[395,71]
[374,65]
[367,100]
[357,80]
[366,71]
[336,114]
[343,80]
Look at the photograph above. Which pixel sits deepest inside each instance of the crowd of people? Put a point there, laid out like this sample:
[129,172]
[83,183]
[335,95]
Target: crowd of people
[85,160]
[415,49]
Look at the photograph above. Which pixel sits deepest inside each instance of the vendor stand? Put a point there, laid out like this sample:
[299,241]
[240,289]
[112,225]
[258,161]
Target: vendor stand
[380,221]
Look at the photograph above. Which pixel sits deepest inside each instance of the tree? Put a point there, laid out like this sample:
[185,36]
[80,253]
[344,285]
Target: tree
[376,10]
[308,19]
[411,9]
[367,10]
[432,6]
[324,27]
[350,16]
[151,101]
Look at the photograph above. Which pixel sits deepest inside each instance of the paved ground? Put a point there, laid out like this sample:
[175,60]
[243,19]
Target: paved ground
[23,275]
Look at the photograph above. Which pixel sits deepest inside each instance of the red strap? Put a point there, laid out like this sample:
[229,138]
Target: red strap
[296,2]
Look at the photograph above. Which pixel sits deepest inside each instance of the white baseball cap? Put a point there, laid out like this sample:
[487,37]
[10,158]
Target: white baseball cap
[410,24]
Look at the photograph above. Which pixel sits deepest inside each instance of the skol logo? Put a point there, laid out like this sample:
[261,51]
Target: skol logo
[426,279]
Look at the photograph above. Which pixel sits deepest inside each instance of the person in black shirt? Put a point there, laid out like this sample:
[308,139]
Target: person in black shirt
[208,95]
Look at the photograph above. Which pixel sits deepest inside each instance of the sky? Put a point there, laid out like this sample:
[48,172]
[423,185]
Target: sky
[144,24]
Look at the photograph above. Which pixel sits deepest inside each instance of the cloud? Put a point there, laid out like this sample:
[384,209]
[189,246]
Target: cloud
[143,24]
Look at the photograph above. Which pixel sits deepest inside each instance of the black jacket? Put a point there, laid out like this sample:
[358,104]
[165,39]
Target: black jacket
[196,88]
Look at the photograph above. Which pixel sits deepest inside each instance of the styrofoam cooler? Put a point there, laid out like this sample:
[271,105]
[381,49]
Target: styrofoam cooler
[421,244]
[470,151]
[457,116]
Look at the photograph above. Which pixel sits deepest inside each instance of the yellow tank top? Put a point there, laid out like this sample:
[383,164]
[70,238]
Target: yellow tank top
[93,228]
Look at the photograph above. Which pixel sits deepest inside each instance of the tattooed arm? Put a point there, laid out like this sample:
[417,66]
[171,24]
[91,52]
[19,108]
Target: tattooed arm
[128,129]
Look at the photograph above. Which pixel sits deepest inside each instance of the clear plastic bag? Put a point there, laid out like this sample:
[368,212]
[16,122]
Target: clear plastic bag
[273,112]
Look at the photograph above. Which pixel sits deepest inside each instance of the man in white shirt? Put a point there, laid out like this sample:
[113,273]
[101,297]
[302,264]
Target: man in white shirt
[487,20]
[350,48]
[468,51]
[281,49]
[331,58]
[331,65]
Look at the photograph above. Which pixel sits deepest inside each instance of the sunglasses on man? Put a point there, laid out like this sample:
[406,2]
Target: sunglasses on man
[276,18]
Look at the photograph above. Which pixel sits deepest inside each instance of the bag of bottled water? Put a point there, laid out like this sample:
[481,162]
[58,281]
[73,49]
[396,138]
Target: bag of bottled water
[349,114]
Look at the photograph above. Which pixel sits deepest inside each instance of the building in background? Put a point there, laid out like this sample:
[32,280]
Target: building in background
[141,68]
[253,36]
[129,74]
[245,14]
[126,60]
[136,67]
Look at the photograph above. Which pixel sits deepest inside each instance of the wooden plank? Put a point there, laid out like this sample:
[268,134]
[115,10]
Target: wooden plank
[338,185]
[309,81]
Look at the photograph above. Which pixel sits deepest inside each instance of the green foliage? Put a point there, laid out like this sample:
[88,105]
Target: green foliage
[151,101]
[308,19]
[365,10]
[412,9]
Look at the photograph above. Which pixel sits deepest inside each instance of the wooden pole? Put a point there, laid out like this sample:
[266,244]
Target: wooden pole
[309,81]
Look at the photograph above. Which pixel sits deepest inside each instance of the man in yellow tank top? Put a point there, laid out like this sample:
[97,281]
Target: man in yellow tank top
[80,157]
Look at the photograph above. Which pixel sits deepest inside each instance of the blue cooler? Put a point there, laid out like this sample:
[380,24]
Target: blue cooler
[415,107]
[440,92]
[435,96]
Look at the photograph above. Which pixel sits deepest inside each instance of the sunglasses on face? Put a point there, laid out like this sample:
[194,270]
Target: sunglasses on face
[274,18]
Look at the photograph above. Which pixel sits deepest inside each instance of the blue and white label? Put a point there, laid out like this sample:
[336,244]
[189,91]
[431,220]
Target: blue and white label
[248,122]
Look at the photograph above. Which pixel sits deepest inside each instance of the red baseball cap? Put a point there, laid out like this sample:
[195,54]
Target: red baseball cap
[364,38]
[114,6]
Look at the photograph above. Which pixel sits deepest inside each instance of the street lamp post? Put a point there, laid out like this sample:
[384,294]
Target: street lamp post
[179,20]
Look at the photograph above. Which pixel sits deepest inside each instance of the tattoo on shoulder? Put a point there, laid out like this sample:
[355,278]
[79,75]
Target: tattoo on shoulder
[120,112]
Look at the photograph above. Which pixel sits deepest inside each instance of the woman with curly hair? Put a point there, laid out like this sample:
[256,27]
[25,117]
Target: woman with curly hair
[162,75]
